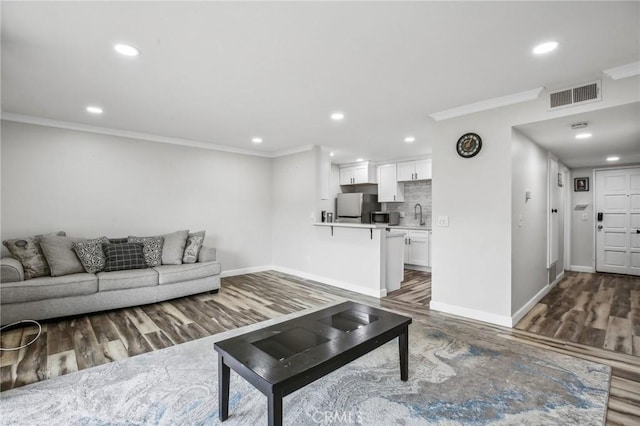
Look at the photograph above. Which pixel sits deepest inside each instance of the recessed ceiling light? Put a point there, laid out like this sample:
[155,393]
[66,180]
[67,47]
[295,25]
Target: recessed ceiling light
[256,140]
[331,154]
[94,109]
[545,47]
[409,139]
[337,116]
[359,160]
[126,50]
[613,158]
[583,135]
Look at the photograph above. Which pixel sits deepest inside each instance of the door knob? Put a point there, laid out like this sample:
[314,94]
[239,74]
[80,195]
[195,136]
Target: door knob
[599,227]
[637,231]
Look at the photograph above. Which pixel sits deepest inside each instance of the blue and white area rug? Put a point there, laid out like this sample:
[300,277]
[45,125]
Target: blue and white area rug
[456,376]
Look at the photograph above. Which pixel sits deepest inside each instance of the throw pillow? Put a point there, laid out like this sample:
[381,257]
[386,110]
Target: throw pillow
[90,254]
[28,252]
[121,256]
[118,240]
[60,256]
[152,249]
[194,244]
[173,248]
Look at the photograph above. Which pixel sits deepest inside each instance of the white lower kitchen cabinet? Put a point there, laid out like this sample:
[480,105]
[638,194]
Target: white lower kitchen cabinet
[416,247]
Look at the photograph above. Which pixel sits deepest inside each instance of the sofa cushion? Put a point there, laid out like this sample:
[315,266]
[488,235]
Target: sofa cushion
[169,274]
[152,248]
[60,256]
[27,250]
[90,254]
[48,288]
[121,256]
[193,246]
[131,278]
[173,247]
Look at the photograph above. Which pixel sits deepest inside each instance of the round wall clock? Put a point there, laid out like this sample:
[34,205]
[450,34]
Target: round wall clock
[469,145]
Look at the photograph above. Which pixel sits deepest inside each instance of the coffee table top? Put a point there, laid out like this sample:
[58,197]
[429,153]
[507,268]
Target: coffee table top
[281,351]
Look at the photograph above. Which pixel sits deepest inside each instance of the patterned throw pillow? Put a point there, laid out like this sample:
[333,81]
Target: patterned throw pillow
[90,254]
[152,249]
[194,244]
[29,253]
[121,256]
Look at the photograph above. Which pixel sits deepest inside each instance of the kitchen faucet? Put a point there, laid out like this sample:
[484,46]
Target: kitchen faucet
[415,212]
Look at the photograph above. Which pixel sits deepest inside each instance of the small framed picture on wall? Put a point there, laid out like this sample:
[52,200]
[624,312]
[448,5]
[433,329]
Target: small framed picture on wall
[581,184]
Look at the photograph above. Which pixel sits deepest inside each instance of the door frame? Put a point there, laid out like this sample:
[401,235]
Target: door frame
[593,203]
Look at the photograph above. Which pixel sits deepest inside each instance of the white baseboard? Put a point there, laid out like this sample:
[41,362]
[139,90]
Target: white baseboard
[418,267]
[330,281]
[534,300]
[589,269]
[502,320]
[242,271]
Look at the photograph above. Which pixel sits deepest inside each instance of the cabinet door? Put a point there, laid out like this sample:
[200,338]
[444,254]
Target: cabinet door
[387,184]
[406,171]
[346,176]
[361,174]
[418,248]
[405,241]
[423,169]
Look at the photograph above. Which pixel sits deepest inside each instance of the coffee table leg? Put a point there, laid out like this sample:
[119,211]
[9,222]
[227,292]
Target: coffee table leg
[275,408]
[403,341]
[223,389]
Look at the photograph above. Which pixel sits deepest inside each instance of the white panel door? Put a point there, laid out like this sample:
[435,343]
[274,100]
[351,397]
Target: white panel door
[423,169]
[618,231]
[553,218]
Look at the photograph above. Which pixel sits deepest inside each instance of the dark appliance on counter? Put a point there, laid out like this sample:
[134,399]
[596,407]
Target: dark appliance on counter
[389,218]
[356,207]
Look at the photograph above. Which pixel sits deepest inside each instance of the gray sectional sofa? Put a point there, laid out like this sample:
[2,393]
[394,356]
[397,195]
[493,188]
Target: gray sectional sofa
[51,297]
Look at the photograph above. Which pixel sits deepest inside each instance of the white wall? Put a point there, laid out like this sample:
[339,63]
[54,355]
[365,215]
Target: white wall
[582,230]
[294,203]
[529,220]
[91,185]
[471,259]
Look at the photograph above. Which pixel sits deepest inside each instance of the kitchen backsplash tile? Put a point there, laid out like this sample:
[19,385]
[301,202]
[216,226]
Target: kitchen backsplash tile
[414,192]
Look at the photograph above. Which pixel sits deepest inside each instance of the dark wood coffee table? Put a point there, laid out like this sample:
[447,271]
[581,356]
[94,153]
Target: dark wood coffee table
[285,357]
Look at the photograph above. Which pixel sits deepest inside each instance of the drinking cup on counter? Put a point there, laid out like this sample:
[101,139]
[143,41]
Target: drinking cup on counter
[324,215]
[329,217]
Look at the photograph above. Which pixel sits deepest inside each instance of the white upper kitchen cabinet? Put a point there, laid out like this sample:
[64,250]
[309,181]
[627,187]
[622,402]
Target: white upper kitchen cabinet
[363,172]
[389,190]
[414,170]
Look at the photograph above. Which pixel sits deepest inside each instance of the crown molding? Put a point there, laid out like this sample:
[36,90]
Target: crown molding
[29,119]
[623,71]
[290,151]
[488,104]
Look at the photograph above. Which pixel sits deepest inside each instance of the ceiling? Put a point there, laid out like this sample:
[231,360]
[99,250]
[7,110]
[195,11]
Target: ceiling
[224,72]
[615,132]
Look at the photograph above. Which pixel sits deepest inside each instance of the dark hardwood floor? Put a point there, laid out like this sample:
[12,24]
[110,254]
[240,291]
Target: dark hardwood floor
[72,344]
[599,310]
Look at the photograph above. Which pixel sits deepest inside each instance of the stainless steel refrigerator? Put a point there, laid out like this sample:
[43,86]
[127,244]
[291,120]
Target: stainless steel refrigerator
[356,207]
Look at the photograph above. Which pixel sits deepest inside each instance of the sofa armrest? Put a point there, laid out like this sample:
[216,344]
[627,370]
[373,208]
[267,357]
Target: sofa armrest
[207,254]
[11,270]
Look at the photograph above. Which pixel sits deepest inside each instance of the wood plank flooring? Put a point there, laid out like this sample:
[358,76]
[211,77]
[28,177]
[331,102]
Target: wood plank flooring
[72,344]
[599,310]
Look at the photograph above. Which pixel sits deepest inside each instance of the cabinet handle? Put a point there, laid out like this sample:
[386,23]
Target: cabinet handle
[394,198]
[416,175]
[409,240]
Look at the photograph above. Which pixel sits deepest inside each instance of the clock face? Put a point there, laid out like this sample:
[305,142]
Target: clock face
[469,145]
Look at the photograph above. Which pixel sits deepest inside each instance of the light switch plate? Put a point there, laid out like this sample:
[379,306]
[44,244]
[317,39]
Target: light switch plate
[443,220]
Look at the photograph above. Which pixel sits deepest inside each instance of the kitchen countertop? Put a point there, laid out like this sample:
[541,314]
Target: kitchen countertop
[352,225]
[411,228]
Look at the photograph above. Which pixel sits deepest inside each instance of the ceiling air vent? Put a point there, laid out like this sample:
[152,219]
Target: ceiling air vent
[577,95]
